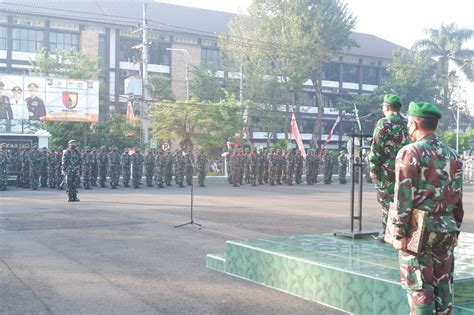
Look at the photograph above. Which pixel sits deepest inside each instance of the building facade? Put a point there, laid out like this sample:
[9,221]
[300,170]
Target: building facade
[179,38]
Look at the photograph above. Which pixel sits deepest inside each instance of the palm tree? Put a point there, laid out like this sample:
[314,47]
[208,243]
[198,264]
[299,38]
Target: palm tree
[445,45]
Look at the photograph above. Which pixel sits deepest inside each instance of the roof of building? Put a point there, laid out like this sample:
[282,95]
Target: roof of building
[166,17]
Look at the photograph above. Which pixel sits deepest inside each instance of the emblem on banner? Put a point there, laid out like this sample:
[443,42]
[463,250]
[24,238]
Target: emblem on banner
[70,99]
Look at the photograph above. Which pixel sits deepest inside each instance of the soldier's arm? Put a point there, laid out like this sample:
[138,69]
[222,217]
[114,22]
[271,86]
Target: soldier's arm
[458,211]
[406,172]
[377,147]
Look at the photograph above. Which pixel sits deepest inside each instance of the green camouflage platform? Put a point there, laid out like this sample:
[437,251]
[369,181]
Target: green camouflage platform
[357,276]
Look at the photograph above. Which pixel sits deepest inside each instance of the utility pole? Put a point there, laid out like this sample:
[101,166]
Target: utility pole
[145,98]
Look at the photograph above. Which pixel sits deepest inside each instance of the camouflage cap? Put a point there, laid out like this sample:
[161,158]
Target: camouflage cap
[72,142]
[60,148]
[103,147]
[44,148]
[35,146]
[424,110]
[87,148]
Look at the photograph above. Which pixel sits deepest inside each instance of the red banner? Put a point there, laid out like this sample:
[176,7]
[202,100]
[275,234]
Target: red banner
[296,135]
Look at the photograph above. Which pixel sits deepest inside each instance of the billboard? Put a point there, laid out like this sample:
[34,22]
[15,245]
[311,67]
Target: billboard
[47,99]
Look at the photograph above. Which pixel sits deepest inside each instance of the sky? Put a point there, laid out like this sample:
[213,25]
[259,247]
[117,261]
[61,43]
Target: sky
[402,22]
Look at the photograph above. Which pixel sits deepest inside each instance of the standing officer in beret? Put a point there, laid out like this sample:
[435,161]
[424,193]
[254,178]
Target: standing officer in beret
[390,135]
[34,103]
[71,167]
[428,178]
[5,107]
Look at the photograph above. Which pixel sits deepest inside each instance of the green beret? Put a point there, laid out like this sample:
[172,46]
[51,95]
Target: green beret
[87,148]
[424,110]
[392,99]
[60,147]
[103,147]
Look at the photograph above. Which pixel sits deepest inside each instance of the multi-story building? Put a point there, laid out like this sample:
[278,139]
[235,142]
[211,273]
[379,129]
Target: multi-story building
[179,38]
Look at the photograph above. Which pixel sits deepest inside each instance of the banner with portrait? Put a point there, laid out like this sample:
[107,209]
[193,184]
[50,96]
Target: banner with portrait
[47,99]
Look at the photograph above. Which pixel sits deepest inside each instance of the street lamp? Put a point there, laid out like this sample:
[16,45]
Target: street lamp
[466,62]
[186,57]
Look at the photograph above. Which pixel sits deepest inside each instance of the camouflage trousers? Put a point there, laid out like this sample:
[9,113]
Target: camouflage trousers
[44,177]
[247,175]
[52,179]
[94,174]
[309,177]
[25,177]
[159,178]
[3,178]
[114,177]
[315,172]
[385,191]
[34,178]
[168,178]
[253,176]
[201,177]
[73,181]
[237,176]
[126,176]
[428,278]
[290,175]
[298,174]
[272,175]
[189,177]
[265,173]
[149,176]
[137,178]
[179,177]
[86,177]
[342,175]
[102,175]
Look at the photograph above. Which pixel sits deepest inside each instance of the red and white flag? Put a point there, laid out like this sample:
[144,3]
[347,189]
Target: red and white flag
[338,119]
[296,135]
[130,114]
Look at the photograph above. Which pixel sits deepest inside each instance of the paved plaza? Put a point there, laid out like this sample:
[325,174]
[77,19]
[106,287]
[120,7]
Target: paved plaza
[117,251]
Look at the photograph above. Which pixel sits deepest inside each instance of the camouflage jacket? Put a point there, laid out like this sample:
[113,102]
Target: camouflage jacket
[34,157]
[103,159]
[114,160]
[428,178]
[342,161]
[86,159]
[126,160]
[390,135]
[201,163]
[72,162]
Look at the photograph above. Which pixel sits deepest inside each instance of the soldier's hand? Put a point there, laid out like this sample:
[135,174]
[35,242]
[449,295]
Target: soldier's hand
[400,244]
[373,176]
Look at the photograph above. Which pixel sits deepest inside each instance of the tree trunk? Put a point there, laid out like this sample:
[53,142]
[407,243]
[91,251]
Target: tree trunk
[319,118]
[287,110]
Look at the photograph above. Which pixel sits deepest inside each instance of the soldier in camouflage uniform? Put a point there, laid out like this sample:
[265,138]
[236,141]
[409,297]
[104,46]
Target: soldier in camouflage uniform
[52,165]
[328,162]
[59,169]
[16,161]
[137,167]
[273,161]
[201,168]
[342,160]
[390,135]
[228,166]
[103,161]
[3,167]
[260,167]
[189,167]
[114,167]
[253,170]
[160,162]
[279,158]
[149,168]
[236,165]
[246,165]
[25,167]
[44,168]
[71,168]
[179,168]
[284,167]
[290,167]
[86,167]
[94,168]
[265,166]
[310,167]
[428,178]
[34,158]
[126,164]
[168,168]
[317,160]
[299,164]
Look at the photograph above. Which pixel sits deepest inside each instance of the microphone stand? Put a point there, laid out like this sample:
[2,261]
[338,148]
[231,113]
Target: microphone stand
[192,202]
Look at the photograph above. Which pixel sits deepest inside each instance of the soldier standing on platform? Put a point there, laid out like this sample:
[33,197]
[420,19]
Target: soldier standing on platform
[189,167]
[290,167]
[179,168]
[86,167]
[149,168]
[126,164]
[52,165]
[342,159]
[114,167]
[44,168]
[103,161]
[390,135]
[71,168]
[94,168]
[137,167]
[160,168]
[299,164]
[428,177]
[3,167]
[328,161]
[34,158]
[253,170]
[201,168]
[168,168]
[59,168]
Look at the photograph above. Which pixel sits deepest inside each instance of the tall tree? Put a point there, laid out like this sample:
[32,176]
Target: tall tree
[445,45]
[160,88]
[205,87]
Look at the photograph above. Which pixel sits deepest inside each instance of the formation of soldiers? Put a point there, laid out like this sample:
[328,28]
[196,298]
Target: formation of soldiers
[277,167]
[37,169]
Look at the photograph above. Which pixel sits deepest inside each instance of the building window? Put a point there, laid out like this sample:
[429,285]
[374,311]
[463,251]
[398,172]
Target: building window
[102,53]
[350,73]
[211,58]
[126,52]
[3,38]
[331,72]
[385,76]
[63,41]
[27,40]
[158,55]
[307,125]
[369,75]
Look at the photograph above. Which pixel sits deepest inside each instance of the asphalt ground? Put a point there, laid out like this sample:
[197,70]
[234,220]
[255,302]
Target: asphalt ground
[118,252]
